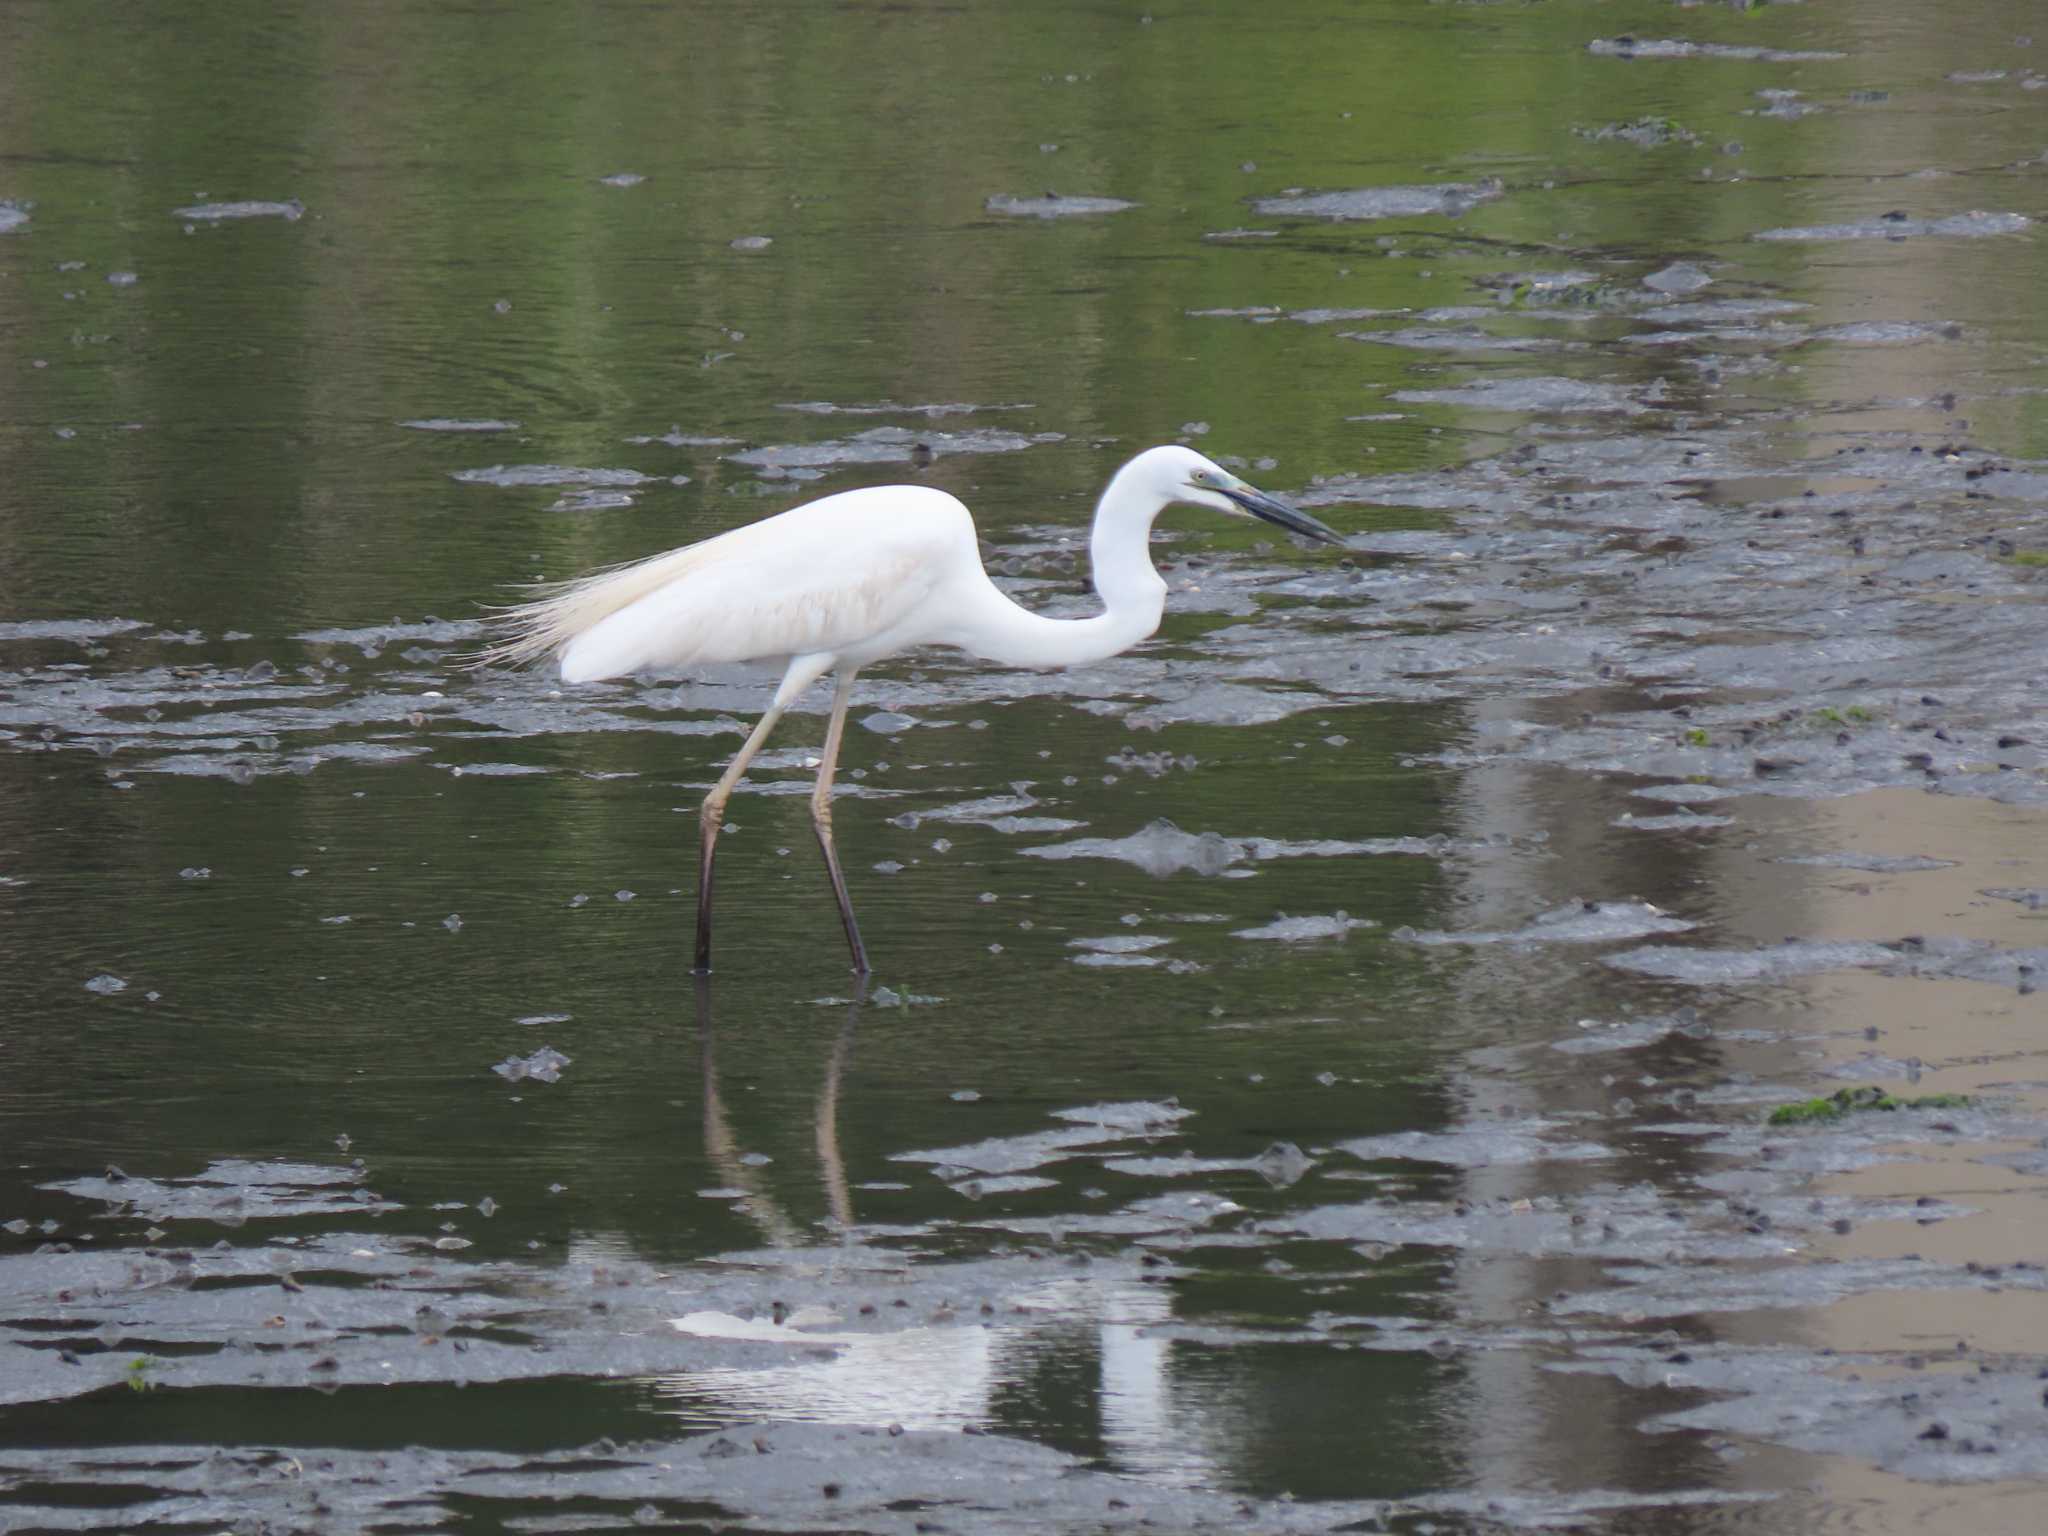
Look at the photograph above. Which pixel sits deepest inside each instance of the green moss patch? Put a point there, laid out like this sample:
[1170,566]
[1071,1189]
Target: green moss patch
[1849,1101]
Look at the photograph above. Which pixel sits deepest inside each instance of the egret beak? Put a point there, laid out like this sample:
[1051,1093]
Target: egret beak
[1276,511]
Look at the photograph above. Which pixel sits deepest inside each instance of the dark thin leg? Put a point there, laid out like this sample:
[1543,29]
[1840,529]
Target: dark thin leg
[711,818]
[821,818]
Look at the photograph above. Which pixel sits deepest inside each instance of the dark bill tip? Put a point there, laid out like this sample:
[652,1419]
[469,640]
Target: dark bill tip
[1277,512]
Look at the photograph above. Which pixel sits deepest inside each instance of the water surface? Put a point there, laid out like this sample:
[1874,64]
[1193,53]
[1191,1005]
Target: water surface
[1324,1053]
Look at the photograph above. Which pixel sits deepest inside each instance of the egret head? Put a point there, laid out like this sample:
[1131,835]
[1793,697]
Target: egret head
[1184,475]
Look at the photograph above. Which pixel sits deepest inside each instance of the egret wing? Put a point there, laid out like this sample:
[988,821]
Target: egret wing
[765,598]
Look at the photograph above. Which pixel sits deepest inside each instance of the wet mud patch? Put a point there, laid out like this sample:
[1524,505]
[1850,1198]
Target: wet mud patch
[1963,1418]
[1554,395]
[1777,1152]
[1643,132]
[1627,47]
[1608,1224]
[2033,898]
[931,411]
[1446,199]
[75,631]
[1052,205]
[232,1192]
[220,213]
[1872,863]
[1904,638]
[1900,225]
[1083,1131]
[553,475]
[1478,1146]
[884,445]
[1296,930]
[386,1308]
[1160,849]
[676,437]
[1923,958]
[775,1474]
[1663,1292]
[1577,922]
[459,424]
[1419,338]
[1598,1036]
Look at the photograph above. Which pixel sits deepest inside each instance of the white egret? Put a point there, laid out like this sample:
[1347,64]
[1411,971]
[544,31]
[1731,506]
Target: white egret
[846,580]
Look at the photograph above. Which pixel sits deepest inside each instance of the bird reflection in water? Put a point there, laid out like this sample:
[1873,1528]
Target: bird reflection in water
[723,1151]
[941,1362]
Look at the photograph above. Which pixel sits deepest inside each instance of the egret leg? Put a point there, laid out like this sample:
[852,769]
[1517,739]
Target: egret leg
[712,817]
[821,818]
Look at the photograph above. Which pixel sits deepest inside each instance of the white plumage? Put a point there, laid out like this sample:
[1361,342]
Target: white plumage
[846,580]
[825,576]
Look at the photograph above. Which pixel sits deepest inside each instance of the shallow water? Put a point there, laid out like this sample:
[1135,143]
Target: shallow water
[1318,1066]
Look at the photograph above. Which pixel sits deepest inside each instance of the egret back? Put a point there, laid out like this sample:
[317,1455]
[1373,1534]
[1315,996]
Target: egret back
[844,573]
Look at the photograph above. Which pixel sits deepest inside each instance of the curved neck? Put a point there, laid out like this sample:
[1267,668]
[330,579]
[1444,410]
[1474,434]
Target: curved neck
[1133,596]
[1120,549]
